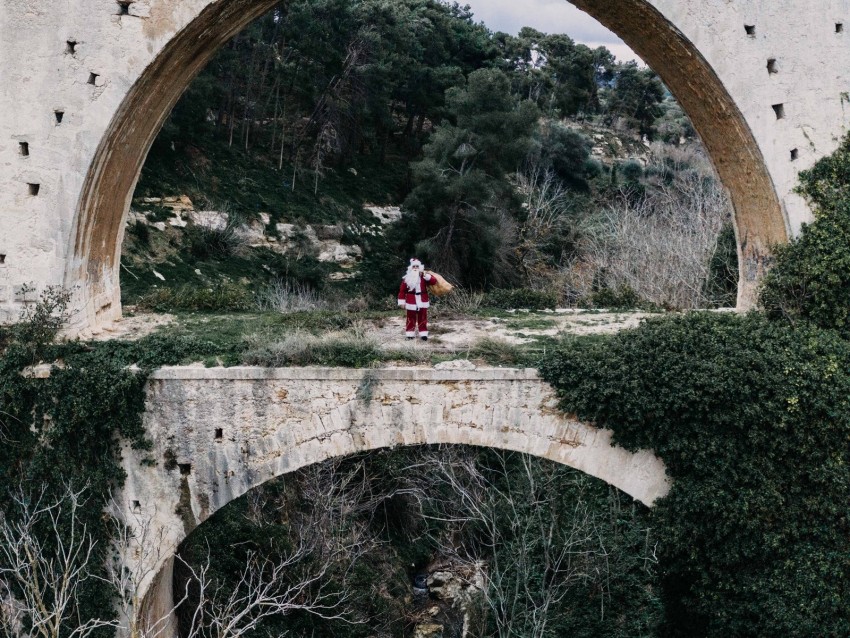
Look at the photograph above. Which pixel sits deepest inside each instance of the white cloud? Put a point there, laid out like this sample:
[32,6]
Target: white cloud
[548,16]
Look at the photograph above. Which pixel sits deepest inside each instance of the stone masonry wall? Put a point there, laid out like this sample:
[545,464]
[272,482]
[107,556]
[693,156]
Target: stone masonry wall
[219,432]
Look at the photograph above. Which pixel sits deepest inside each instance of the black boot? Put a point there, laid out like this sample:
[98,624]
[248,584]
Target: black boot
[424,338]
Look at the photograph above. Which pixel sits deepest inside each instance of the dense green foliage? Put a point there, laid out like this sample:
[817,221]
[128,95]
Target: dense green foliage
[811,277]
[65,429]
[324,105]
[461,183]
[637,98]
[752,419]
[560,76]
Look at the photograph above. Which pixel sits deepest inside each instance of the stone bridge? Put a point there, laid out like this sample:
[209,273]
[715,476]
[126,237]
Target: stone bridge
[87,85]
[219,432]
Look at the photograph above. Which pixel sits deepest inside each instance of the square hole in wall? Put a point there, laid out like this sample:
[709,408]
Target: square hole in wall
[795,154]
[772,66]
[219,433]
[750,29]
[93,78]
[839,27]
[2,259]
[124,7]
[24,148]
[185,468]
[136,506]
[59,115]
[71,47]
[34,188]
[779,110]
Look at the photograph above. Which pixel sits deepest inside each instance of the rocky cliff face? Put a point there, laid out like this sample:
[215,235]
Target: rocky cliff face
[325,242]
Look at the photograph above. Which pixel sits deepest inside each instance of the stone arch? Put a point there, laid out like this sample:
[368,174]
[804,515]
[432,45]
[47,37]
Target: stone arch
[94,253]
[217,433]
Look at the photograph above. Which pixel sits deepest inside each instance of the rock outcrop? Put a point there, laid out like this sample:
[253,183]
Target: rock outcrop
[325,242]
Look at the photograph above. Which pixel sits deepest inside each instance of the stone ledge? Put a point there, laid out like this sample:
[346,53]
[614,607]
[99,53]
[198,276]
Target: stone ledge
[256,373]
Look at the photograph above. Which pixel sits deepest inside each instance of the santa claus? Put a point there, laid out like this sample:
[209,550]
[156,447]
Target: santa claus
[413,296]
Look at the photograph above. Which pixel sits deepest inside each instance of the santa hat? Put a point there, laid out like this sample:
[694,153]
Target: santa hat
[415,262]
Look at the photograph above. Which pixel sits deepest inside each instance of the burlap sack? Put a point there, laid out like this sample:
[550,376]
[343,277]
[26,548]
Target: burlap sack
[438,286]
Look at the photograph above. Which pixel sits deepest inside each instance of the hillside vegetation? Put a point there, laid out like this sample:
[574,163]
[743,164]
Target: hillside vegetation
[518,161]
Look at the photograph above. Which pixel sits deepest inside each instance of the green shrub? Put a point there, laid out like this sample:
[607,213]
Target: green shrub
[751,419]
[632,171]
[156,213]
[810,277]
[140,232]
[622,297]
[222,297]
[40,322]
[525,298]
[497,352]
[214,242]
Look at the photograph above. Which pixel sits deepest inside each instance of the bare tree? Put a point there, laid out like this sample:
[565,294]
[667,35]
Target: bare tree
[139,551]
[312,578]
[532,559]
[45,563]
[546,203]
[235,610]
[659,244]
[263,588]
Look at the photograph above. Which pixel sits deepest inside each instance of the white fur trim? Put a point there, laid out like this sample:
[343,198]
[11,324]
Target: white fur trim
[401,302]
[415,262]
[423,333]
[410,333]
[411,306]
[424,304]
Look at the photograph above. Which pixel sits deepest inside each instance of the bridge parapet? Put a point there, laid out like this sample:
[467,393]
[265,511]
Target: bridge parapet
[218,432]
[229,429]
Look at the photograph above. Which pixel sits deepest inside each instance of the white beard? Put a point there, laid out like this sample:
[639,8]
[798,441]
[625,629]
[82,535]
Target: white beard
[412,280]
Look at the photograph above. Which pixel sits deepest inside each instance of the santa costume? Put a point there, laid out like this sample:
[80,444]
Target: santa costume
[413,296]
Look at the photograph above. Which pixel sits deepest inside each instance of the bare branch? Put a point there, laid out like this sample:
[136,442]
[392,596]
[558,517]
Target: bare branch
[45,558]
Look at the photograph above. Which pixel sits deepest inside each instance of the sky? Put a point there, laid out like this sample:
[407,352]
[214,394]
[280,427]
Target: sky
[548,16]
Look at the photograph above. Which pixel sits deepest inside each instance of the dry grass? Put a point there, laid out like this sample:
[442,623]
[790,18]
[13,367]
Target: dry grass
[352,348]
[285,296]
[659,244]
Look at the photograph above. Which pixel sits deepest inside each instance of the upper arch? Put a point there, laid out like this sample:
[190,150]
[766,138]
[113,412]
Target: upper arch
[112,175]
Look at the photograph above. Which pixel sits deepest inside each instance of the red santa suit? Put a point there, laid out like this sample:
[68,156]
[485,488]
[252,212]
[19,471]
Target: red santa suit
[415,301]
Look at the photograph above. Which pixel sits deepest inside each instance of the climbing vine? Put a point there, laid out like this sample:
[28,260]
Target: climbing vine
[810,280]
[752,417]
[64,430]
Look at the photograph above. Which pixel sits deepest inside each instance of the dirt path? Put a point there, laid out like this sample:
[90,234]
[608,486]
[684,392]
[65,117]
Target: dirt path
[453,335]
[460,334]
